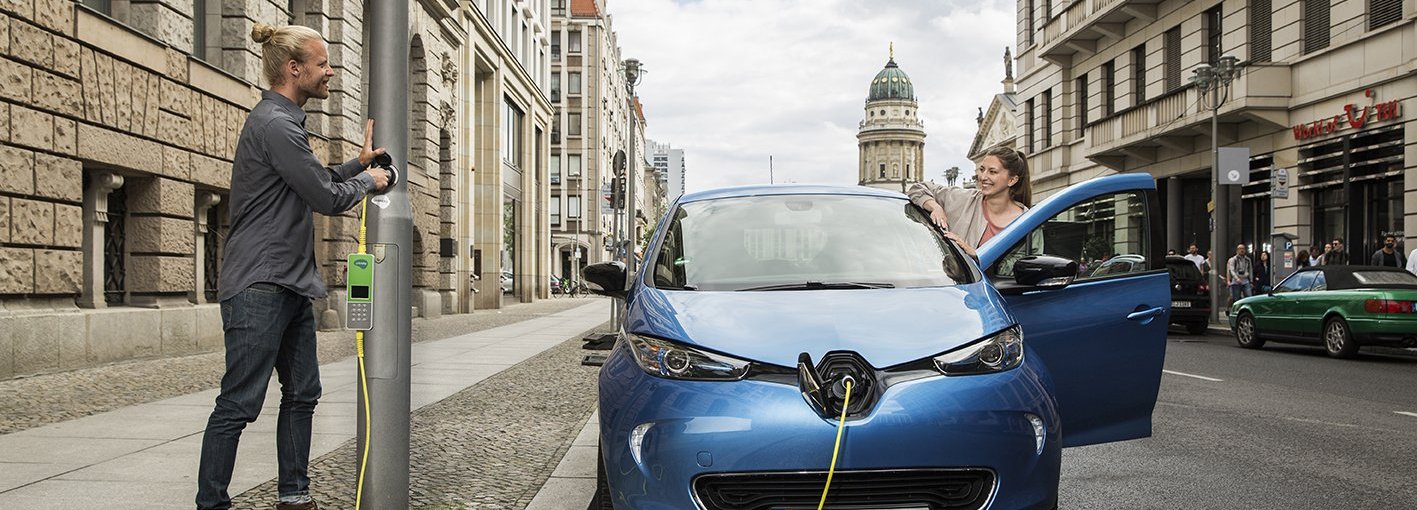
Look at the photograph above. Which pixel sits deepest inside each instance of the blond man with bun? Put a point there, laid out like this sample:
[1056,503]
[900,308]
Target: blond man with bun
[269,276]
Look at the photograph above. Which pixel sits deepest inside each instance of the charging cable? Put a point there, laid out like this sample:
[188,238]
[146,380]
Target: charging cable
[836,449]
[363,379]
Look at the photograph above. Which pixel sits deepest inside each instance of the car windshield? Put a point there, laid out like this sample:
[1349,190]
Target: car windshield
[1184,270]
[791,242]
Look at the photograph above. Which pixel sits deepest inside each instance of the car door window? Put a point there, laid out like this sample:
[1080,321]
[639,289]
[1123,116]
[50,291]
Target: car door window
[1319,282]
[1106,235]
[1297,282]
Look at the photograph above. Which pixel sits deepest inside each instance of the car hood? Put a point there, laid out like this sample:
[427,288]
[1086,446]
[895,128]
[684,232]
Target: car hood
[885,326]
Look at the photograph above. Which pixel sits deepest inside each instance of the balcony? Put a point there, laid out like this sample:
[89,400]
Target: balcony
[1078,28]
[1175,122]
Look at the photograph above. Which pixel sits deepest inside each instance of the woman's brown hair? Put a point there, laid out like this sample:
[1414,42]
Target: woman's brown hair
[1017,164]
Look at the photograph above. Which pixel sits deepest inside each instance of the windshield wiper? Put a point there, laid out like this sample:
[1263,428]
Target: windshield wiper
[810,285]
[673,287]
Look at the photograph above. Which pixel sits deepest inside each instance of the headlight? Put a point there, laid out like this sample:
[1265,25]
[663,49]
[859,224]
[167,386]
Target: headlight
[997,353]
[675,361]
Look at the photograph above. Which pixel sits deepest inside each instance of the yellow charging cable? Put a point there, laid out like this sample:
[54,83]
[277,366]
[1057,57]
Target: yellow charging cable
[840,426]
[363,380]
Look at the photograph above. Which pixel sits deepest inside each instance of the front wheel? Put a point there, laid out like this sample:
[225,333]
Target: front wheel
[1245,333]
[1338,340]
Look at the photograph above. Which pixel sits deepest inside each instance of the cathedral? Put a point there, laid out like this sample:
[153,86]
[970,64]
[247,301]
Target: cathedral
[891,135]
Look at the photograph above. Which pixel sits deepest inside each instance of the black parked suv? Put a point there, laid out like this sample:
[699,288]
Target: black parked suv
[1190,295]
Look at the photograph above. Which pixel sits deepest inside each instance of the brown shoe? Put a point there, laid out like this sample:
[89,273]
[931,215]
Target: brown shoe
[308,505]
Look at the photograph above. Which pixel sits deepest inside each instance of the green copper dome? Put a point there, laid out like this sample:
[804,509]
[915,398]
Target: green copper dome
[891,83]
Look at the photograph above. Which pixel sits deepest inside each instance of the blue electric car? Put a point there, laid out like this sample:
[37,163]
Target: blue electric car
[755,304]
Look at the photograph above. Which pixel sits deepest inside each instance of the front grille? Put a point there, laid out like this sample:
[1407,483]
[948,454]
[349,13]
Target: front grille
[936,489]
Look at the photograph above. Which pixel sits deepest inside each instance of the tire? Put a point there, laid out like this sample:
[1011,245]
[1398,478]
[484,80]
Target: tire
[1338,339]
[1245,333]
[1196,328]
[601,500]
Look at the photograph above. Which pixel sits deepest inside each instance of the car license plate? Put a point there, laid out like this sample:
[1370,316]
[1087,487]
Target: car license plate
[1180,304]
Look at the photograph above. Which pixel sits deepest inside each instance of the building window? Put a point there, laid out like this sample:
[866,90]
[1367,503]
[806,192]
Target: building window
[103,6]
[512,134]
[555,208]
[556,45]
[883,170]
[558,7]
[573,165]
[573,83]
[1261,14]
[573,124]
[1109,88]
[1139,75]
[1081,90]
[1214,32]
[573,207]
[1173,58]
[114,249]
[1316,25]
[555,87]
[573,41]
[1382,13]
[555,169]
[1028,32]
[1028,123]
[211,263]
[1047,108]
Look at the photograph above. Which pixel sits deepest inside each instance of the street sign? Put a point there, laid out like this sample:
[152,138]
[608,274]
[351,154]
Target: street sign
[1234,165]
[1279,183]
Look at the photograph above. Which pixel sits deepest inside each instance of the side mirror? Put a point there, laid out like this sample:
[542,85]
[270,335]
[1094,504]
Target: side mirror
[1045,271]
[606,279]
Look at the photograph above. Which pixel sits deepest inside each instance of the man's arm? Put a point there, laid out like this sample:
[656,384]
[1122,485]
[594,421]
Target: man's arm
[295,162]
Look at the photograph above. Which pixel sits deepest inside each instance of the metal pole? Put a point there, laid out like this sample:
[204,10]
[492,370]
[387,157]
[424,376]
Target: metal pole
[1220,235]
[390,229]
[631,164]
[770,177]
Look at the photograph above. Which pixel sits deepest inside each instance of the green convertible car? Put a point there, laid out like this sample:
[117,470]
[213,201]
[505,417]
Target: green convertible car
[1340,307]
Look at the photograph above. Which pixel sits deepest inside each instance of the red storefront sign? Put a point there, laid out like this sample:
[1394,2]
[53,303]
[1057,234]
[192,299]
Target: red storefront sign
[1353,116]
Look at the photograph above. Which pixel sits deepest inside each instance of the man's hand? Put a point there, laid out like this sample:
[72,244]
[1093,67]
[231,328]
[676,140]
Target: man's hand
[367,154]
[381,178]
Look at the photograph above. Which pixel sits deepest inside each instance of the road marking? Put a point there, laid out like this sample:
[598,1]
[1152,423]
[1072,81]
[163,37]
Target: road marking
[1405,413]
[1201,377]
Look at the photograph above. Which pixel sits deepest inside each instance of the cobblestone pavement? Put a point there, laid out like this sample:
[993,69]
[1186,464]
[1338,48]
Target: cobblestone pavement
[50,398]
[490,446]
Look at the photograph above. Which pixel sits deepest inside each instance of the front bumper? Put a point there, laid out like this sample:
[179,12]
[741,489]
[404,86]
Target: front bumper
[697,428]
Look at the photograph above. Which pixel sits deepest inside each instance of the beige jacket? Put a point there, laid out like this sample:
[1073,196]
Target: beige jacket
[963,207]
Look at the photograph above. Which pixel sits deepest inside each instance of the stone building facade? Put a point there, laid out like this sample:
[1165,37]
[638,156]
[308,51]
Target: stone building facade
[891,135]
[1324,94]
[118,121]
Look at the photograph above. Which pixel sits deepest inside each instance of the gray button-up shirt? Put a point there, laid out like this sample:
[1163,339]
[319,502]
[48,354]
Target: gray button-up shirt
[276,181]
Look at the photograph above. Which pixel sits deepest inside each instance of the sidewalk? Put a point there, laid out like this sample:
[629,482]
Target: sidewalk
[146,455]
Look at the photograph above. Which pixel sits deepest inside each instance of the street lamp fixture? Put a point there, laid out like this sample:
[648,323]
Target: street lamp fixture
[1214,84]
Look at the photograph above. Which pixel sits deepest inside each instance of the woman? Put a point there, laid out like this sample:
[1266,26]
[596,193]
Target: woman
[970,217]
[1304,260]
[1262,272]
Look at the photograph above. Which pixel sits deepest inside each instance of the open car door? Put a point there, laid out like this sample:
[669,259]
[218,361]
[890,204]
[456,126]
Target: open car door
[1102,337]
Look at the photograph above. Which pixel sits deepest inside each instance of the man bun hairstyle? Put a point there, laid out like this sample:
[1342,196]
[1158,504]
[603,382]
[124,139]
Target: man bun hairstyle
[1017,164]
[280,45]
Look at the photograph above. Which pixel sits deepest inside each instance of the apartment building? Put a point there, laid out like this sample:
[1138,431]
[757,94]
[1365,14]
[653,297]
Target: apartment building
[1322,97]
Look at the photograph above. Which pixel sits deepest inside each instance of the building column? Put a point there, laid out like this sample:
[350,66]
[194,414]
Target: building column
[1174,236]
[95,222]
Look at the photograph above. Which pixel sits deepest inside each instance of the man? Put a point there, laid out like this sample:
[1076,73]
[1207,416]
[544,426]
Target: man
[269,274]
[1337,256]
[1412,259]
[1388,254]
[1238,270]
[1193,254]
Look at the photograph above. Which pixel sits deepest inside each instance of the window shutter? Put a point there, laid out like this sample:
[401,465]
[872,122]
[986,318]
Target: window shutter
[1383,12]
[1316,25]
[1261,46]
[1173,59]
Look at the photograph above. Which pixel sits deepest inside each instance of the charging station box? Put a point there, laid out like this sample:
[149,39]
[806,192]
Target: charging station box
[359,300]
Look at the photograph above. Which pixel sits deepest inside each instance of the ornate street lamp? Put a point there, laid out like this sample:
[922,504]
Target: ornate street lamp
[1214,85]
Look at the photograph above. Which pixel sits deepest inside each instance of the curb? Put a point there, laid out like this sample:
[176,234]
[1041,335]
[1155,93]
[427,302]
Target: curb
[572,484]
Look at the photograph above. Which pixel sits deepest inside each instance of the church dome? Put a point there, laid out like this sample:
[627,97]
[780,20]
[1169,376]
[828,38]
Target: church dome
[891,83]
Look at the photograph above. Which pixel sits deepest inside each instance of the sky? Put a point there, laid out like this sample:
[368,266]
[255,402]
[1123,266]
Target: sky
[734,81]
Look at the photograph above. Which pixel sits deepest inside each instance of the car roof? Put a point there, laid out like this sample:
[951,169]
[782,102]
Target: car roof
[1339,277]
[786,189]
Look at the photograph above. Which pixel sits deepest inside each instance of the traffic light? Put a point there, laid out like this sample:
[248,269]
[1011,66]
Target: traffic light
[618,193]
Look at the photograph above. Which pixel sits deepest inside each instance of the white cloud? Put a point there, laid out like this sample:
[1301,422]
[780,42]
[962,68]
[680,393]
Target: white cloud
[734,81]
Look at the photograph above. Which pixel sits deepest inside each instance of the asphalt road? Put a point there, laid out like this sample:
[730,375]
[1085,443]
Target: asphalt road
[1283,428]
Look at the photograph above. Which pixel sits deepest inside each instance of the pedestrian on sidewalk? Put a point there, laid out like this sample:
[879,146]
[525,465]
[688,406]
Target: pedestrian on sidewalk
[269,276]
[1316,254]
[1263,271]
[971,217]
[1193,254]
[1388,255]
[1412,258]
[1337,256]
[1239,271]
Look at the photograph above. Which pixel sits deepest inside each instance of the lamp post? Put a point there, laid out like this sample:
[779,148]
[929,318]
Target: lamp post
[1214,84]
[634,72]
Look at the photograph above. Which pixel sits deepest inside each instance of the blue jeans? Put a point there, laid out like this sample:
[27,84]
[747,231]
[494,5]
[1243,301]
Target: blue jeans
[267,327]
[1239,291]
